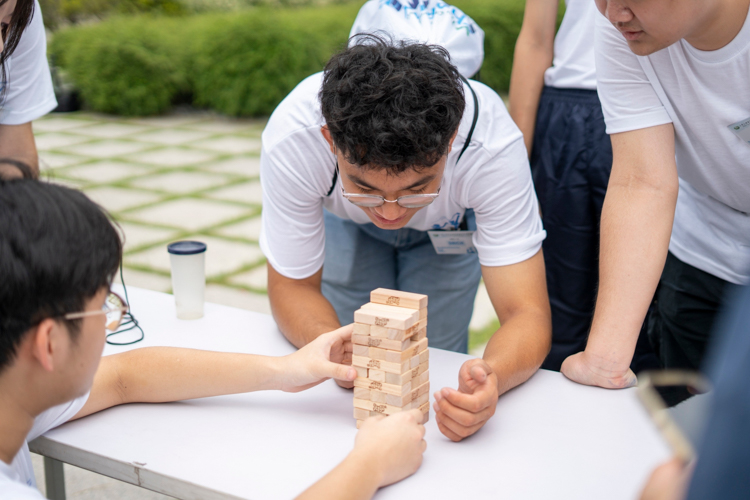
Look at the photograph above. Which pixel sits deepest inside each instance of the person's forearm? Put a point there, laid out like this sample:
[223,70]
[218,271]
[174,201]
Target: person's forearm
[17,143]
[526,82]
[516,351]
[635,230]
[161,374]
[352,479]
[301,311]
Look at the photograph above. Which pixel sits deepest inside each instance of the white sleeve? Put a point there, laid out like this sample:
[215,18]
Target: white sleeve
[56,416]
[29,94]
[292,235]
[629,101]
[501,192]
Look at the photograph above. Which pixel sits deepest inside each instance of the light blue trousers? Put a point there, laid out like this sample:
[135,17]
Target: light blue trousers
[362,257]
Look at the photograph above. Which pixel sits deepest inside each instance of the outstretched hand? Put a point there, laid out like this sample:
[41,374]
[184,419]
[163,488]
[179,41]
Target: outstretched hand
[581,368]
[318,361]
[460,413]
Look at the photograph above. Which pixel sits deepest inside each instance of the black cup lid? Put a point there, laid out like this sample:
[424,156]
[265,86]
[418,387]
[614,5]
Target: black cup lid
[186,247]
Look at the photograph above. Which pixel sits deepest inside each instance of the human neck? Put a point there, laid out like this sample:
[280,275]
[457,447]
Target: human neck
[721,25]
[16,418]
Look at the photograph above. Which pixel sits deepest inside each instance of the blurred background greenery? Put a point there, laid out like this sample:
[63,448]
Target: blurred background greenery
[237,57]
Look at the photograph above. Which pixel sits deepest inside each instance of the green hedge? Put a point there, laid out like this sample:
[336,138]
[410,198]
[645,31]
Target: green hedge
[241,63]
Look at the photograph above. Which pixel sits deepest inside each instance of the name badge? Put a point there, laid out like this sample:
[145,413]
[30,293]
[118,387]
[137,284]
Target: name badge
[741,129]
[452,242]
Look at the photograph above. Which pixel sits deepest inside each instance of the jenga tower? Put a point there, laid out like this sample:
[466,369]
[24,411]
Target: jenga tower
[390,355]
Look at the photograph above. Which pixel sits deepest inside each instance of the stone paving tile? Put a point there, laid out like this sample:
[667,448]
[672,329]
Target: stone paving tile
[109,130]
[56,160]
[171,137]
[172,120]
[242,165]
[172,157]
[222,256]
[248,192]
[180,182]
[222,126]
[241,299]
[56,123]
[189,214]
[107,148]
[106,171]
[137,235]
[233,145]
[249,229]
[54,140]
[256,278]
[116,199]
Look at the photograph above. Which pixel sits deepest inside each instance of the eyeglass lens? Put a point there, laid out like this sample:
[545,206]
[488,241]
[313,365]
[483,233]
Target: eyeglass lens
[113,305]
[411,201]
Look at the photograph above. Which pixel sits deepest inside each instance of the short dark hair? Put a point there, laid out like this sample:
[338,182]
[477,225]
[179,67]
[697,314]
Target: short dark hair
[392,105]
[58,249]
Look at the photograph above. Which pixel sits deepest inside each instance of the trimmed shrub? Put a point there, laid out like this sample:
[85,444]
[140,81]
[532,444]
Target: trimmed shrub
[241,63]
[124,66]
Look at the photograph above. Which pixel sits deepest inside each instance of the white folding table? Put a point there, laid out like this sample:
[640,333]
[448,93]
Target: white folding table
[550,437]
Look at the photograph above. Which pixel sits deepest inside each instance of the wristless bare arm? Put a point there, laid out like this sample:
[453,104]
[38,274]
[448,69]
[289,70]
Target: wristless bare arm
[299,307]
[17,143]
[636,226]
[533,55]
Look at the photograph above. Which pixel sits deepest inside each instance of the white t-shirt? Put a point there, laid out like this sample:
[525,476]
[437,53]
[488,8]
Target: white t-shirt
[573,65]
[17,480]
[493,178]
[30,94]
[701,94]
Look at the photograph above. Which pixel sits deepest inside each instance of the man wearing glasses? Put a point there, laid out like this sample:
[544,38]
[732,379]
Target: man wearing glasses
[365,169]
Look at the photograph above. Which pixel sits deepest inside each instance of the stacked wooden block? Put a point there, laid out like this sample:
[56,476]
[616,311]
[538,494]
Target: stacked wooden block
[390,355]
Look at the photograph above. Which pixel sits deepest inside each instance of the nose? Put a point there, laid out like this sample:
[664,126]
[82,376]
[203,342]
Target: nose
[618,12]
[391,211]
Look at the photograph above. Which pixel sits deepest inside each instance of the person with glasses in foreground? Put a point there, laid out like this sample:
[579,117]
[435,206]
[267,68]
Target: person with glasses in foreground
[358,164]
[58,256]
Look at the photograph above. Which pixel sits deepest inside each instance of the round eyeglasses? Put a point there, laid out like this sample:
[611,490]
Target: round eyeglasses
[374,200]
[114,308]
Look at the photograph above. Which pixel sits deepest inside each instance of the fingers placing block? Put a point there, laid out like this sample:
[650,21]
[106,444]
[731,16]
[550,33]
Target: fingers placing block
[398,298]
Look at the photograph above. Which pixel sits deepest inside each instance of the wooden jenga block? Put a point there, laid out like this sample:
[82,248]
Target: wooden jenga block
[376,375]
[420,400]
[421,379]
[361,393]
[398,379]
[361,372]
[376,353]
[421,334]
[361,414]
[376,364]
[392,345]
[398,298]
[414,349]
[423,313]
[361,329]
[377,397]
[415,395]
[424,356]
[396,390]
[360,350]
[376,407]
[391,318]
[414,362]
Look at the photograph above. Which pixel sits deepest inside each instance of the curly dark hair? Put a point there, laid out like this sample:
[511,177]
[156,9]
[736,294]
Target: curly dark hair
[392,105]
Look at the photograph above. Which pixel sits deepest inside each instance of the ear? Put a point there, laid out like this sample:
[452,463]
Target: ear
[450,144]
[45,339]
[327,135]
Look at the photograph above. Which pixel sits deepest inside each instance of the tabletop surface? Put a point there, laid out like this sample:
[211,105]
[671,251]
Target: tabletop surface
[550,438]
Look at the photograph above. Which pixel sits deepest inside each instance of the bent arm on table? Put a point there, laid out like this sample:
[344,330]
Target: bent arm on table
[514,353]
[636,226]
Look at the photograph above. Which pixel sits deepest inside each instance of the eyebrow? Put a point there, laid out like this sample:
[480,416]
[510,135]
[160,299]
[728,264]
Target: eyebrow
[423,180]
[3,2]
